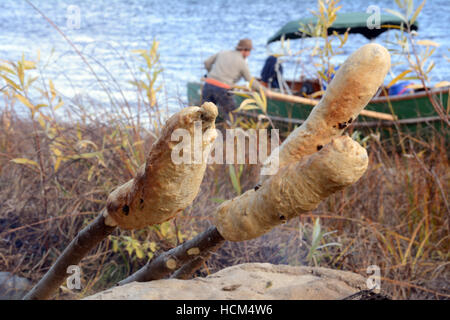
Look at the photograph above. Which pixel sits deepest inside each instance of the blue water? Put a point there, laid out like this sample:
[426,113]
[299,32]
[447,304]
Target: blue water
[188,32]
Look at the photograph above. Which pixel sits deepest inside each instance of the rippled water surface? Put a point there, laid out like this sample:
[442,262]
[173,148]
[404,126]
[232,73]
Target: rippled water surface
[188,31]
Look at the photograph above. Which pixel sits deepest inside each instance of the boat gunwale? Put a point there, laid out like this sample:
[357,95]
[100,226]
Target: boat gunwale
[356,124]
[410,96]
[385,99]
[376,100]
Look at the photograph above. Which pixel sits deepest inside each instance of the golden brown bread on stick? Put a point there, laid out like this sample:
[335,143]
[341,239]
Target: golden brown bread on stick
[296,188]
[162,187]
[354,84]
[315,160]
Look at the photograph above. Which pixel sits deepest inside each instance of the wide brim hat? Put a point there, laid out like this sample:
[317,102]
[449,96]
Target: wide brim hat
[244,44]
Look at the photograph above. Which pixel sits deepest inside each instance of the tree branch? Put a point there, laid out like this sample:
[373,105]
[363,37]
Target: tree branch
[200,246]
[188,269]
[85,240]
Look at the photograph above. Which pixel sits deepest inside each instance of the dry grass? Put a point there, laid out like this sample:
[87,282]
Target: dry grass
[396,217]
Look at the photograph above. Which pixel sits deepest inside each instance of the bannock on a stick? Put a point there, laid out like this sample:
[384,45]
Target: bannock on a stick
[297,188]
[160,190]
[315,160]
[354,84]
[163,187]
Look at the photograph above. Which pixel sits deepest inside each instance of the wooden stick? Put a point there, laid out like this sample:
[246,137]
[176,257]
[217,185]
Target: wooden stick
[312,102]
[378,115]
[85,240]
[289,98]
[365,124]
[188,269]
[166,263]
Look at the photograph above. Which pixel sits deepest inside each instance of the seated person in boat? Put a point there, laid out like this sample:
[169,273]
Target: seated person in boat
[271,72]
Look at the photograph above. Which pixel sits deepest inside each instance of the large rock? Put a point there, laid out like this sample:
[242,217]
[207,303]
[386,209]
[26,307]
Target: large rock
[247,281]
[13,287]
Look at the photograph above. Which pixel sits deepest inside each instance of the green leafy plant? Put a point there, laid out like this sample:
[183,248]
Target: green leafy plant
[149,86]
[364,139]
[324,49]
[417,54]
[254,100]
[316,242]
[133,246]
[235,177]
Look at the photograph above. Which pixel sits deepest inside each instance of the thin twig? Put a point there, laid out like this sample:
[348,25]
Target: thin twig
[73,46]
[166,263]
[188,269]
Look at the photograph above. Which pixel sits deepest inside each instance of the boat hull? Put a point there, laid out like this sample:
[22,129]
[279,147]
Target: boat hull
[413,111]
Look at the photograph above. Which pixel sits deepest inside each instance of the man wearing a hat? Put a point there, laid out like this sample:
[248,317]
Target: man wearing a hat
[225,69]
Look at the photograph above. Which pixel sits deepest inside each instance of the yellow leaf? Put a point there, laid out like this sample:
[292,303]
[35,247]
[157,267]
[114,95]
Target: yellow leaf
[52,89]
[242,94]
[258,100]
[6,69]
[20,72]
[42,122]
[27,65]
[247,102]
[247,107]
[25,161]
[79,135]
[251,82]
[317,94]
[90,173]
[30,81]
[397,78]
[10,82]
[181,236]
[155,46]
[414,86]
[57,163]
[165,229]
[138,143]
[85,143]
[88,155]
[428,43]
[56,151]
[25,101]
[115,245]
[416,14]
[59,105]
[263,97]
[442,84]
[139,51]
[129,249]
[397,14]
[152,98]
[139,253]
[153,247]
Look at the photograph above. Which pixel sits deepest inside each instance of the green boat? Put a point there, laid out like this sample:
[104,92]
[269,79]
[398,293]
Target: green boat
[413,111]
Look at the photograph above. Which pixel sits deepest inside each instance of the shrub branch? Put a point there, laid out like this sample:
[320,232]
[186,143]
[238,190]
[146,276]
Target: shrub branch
[85,240]
[197,249]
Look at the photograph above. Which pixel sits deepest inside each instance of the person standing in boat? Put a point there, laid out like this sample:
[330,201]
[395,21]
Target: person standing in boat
[225,69]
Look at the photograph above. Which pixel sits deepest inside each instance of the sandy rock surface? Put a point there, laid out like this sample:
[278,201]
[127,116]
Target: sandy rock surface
[13,287]
[247,281]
